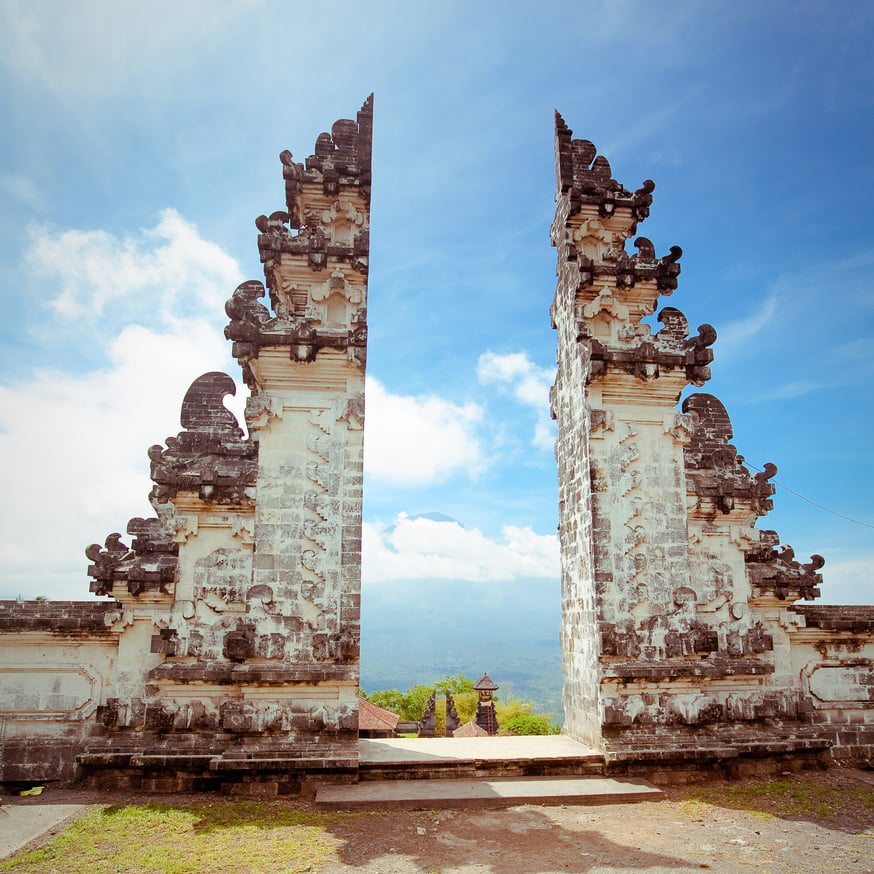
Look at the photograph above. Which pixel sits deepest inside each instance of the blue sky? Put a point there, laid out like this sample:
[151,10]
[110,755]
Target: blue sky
[140,141]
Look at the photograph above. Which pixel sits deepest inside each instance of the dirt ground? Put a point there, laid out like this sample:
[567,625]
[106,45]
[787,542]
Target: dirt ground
[678,834]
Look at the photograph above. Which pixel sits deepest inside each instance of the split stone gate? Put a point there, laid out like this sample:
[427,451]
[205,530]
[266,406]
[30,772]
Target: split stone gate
[228,652]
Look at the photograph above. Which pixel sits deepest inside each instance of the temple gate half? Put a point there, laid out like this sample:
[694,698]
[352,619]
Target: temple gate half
[681,637]
[230,650]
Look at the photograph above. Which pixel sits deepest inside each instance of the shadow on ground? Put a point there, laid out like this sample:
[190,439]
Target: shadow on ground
[523,839]
[519,839]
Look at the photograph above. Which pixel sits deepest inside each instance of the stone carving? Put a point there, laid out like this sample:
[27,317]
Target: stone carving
[668,589]
[672,337]
[230,651]
[452,720]
[583,176]
[777,571]
[428,723]
[252,328]
[149,565]
[203,408]
[341,162]
[209,457]
[715,472]
[223,577]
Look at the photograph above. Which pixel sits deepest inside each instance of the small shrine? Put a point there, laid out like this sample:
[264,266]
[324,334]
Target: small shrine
[485,708]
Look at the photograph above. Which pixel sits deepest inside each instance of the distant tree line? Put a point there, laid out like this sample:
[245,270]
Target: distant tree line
[515,717]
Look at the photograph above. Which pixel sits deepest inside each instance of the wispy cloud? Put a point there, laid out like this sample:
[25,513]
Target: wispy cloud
[864,258]
[527,382]
[96,49]
[643,131]
[734,335]
[860,350]
[792,390]
[426,549]
[25,190]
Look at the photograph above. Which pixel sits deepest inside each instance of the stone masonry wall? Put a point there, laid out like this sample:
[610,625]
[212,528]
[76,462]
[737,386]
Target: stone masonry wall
[56,662]
[692,639]
[833,652]
[579,646]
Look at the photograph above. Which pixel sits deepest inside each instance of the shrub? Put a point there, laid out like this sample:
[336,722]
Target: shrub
[528,723]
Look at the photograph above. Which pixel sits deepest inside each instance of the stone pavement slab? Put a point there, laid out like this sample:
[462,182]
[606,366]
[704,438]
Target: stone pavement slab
[389,794]
[24,821]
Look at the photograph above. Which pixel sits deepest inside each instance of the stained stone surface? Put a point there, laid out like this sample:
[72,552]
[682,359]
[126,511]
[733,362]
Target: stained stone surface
[680,631]
[230,651]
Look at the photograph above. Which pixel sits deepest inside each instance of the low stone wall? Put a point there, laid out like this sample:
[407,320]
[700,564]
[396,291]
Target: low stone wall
[56,663]
[834,653]
[61,671]
[60,618]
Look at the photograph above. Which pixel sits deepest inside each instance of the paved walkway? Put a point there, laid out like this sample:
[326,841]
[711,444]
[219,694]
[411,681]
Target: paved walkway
[411,759]
[436,794]
[23,820]
[457,749]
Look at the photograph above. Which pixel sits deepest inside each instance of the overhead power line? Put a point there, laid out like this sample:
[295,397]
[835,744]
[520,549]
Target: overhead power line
[814,503]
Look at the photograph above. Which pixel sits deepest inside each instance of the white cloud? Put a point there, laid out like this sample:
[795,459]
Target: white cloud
[73,448]
[527,382]
[419,440]
[167,269]
[426,549]
[73,452]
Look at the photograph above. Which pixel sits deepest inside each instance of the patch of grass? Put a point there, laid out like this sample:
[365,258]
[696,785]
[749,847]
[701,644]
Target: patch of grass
[203,836]
[694,809]
[785,798]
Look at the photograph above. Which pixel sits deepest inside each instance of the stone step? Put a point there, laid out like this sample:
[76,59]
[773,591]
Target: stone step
[476,758]
[683,752]
[419,794]
[474,769]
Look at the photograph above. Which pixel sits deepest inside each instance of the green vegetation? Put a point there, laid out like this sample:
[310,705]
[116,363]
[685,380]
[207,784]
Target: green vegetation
[409,705]
[528,723]
[195,836]
[515,717]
